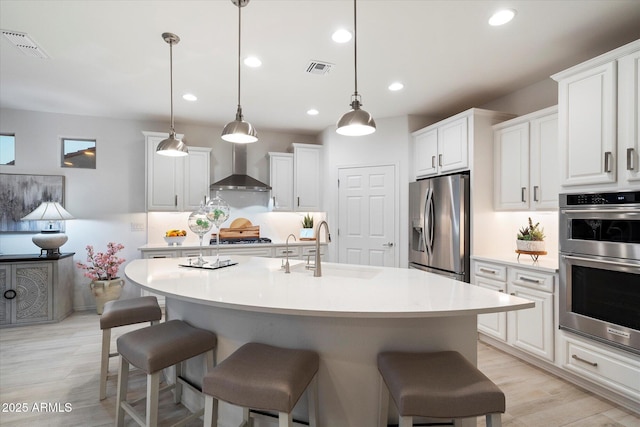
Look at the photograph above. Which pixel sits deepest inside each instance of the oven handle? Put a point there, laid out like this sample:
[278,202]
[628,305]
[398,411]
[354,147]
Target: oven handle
[591,211]
[599,261]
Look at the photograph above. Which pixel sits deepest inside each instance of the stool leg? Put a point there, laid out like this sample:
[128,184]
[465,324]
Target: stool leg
[177,390]
[406,422]
[285,419]
[153,387]
[104,362]
[312,397]
[247,421]
[123,384]
[494,420]
[383,403]
[210,411]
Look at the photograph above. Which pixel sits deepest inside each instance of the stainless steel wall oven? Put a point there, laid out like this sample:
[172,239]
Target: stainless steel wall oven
[600,267]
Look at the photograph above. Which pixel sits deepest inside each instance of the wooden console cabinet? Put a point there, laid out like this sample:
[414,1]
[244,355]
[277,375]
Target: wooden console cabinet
[35,289]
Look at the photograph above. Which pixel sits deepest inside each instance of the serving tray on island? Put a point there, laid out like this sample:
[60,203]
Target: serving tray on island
[211,266]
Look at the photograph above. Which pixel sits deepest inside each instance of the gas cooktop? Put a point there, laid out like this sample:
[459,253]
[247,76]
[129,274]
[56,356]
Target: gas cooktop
[241,241]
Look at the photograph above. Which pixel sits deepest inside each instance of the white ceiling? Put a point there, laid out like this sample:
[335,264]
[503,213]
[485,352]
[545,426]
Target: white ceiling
[108,57]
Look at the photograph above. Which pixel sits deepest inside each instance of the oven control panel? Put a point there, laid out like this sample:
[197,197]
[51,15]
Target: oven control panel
[620,198]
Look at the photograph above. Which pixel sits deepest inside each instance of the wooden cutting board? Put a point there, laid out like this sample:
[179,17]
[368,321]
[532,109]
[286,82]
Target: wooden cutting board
[240,228]
[240,223]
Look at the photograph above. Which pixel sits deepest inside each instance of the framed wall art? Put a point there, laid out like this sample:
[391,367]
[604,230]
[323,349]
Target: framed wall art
[21,194]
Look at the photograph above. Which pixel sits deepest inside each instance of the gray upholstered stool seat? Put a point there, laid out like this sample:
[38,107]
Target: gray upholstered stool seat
[121,313]
[438,385]
[154,348]
[264,377]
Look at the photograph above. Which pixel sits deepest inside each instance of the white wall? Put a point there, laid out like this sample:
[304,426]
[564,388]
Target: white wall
[531,98]
[106,201]
[389,145]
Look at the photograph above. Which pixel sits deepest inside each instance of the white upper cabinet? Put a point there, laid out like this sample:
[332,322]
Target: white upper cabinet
[176,183]
[455,144]
[441,148]
[281,180]
[526,162]
[307,177]
[597,119]
[629,117]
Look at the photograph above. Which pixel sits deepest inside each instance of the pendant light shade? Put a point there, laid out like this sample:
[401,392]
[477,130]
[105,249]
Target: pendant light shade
[239,131]
[356,122]
[171,146]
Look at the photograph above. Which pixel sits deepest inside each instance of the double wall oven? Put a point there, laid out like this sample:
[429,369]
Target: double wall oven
[600,267]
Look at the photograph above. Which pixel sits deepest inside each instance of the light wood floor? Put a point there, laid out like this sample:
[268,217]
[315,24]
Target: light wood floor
[58,364]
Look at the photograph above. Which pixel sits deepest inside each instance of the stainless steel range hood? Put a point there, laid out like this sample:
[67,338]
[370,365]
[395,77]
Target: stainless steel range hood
[239,180]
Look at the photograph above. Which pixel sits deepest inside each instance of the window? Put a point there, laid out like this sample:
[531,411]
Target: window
[7,149]
[79,153]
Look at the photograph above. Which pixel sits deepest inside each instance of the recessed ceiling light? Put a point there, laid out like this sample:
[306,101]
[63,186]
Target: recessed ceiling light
[341,36]
[189,97]
[313,112]
[252,61]
[396,86]
[501,17]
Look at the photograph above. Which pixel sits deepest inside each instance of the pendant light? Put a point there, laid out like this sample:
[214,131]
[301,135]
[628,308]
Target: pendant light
[239,131]
[171,146]
[357,121]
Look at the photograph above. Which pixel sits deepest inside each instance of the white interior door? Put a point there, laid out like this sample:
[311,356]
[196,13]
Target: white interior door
[367,216]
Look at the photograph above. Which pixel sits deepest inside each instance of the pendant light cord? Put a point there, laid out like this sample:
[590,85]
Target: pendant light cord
[171,81]
[239,45]
[355,48]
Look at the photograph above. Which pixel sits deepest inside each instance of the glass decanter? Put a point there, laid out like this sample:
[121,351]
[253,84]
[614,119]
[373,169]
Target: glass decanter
[200,224]
[218,212]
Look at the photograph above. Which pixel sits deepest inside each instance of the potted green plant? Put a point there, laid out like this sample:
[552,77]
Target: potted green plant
[531,238]
[307,228]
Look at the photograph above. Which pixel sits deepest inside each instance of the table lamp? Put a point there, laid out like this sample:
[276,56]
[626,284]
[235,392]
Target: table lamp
[50,239]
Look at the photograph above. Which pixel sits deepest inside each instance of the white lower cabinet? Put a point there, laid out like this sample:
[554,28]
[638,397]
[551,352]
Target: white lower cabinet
[530,330]
[610,368]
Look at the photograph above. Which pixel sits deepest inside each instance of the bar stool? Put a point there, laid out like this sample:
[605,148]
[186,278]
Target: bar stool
[120,313]
[263,377]
[153,349]
[439,385]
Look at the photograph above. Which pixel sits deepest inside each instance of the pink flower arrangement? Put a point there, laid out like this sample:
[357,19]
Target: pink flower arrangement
[102,266]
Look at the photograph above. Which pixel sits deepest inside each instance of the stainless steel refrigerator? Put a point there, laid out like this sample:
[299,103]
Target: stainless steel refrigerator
[439,225]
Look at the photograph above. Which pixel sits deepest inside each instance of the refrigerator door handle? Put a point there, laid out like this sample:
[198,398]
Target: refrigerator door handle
[428,222]
[432,221]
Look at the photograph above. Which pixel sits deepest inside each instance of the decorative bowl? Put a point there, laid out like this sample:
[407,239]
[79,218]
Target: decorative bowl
[174,240]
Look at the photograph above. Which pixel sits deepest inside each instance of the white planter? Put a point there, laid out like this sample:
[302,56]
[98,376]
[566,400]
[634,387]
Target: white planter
[531,245]
[106,290]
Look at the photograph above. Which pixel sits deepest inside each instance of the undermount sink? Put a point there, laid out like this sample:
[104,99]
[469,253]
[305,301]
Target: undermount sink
[338,270]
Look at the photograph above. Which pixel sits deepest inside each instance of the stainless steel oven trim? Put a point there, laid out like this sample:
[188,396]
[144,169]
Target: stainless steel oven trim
[619,336]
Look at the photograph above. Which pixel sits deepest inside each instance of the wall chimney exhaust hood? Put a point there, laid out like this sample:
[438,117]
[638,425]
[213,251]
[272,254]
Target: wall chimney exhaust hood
[239,180]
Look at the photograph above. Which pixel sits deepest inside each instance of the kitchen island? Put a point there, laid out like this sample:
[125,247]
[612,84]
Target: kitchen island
[347,316]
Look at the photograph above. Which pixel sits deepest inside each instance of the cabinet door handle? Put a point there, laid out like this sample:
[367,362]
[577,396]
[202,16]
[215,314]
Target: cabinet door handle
[526,279]
[607,161]
[433,161]
[522,195]
[580,359]
[388,245]
[535,193]
[175,200]
[274,200]
[440,159]
[298,201]
[486,270]
[10,294]
[630,156]
[513,294]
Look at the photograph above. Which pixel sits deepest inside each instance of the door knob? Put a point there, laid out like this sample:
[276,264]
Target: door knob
[388,245]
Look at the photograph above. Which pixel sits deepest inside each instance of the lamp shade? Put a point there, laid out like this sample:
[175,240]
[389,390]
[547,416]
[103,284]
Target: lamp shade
[48,211]
[239,131]
[172,147]
[356,122]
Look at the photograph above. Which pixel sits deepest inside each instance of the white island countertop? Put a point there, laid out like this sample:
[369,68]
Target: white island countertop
[260,285]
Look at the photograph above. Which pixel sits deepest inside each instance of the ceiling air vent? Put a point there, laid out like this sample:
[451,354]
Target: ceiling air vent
[319,67]
[23,42]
